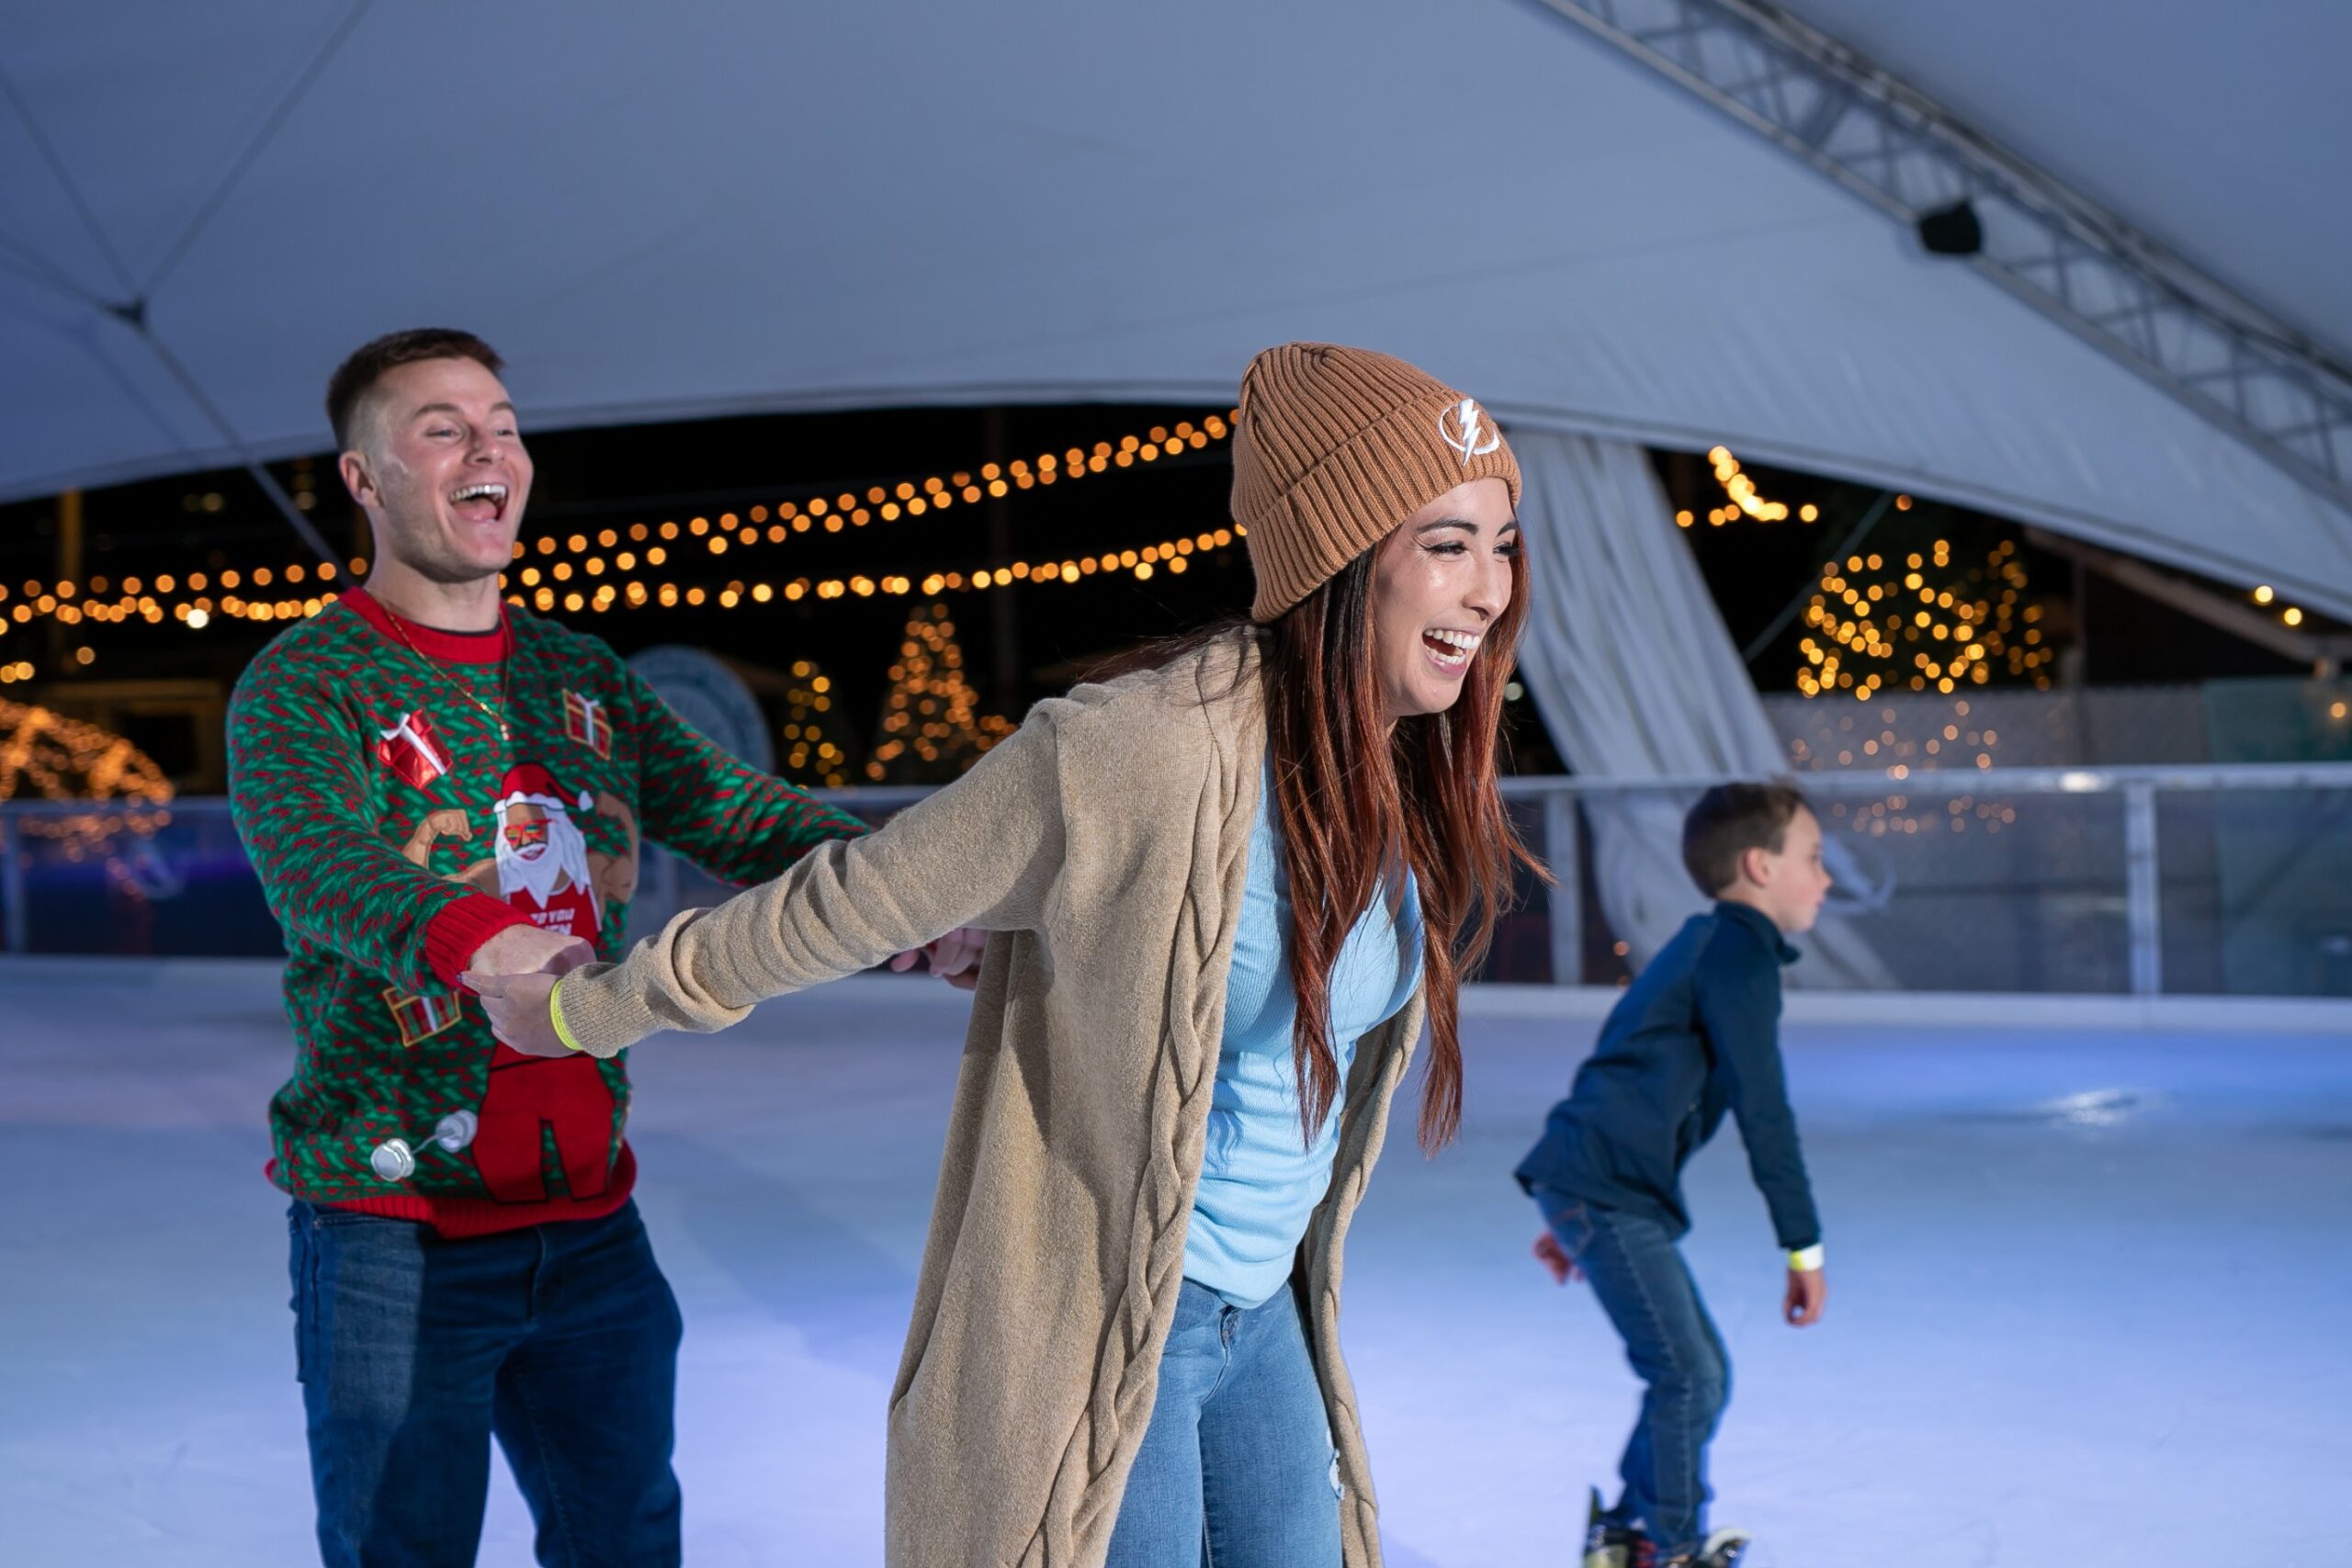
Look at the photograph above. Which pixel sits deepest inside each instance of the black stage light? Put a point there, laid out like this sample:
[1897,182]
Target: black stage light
[1951,231]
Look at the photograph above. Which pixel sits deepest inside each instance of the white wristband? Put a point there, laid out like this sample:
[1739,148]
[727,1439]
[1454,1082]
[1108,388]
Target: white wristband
[1807,1260]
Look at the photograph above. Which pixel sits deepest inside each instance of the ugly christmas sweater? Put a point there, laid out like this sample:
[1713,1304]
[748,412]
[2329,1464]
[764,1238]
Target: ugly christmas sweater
[395,830]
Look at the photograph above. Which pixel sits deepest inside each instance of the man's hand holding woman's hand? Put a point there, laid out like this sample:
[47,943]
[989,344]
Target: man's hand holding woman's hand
[515,973]
[527,950]
[520,1011]
[955,958]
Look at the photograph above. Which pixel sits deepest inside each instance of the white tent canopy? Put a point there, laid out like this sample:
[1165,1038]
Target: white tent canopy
[735,206]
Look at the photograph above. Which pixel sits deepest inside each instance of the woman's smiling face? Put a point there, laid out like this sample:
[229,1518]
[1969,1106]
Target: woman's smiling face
[1440,583]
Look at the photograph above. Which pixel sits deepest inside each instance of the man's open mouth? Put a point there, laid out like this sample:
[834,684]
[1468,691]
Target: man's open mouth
[484,503]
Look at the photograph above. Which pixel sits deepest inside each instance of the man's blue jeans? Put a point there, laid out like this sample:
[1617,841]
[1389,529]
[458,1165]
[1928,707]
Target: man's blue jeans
[1237,1467]
[1641,1281]
[561,1340]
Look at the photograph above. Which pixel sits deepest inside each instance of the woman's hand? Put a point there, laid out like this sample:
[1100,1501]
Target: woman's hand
[519,1010]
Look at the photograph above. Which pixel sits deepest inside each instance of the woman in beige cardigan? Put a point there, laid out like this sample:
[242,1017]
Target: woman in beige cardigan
[1222,893]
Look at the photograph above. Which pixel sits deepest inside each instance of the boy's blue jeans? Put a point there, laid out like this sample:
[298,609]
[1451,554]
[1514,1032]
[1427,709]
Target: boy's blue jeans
[561,1340]
[1639,1278]
[1237,1467]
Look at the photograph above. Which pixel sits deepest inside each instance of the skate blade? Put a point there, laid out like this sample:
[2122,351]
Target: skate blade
[1727,1548]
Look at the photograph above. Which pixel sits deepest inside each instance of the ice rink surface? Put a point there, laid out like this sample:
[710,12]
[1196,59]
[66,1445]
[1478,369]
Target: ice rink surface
[2090,1291]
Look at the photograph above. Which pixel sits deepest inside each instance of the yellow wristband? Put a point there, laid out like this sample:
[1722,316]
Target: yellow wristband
[555,1015]
[1805,1260]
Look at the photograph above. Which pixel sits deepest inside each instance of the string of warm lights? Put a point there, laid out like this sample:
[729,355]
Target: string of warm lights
[107,601]
[1172,555]
[191,602]
[886,503]
[2288,614]
[187,600]
[154,601]
[1745,496]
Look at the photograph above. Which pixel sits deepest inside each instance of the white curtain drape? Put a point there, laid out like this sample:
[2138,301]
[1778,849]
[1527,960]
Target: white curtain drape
[1636,678]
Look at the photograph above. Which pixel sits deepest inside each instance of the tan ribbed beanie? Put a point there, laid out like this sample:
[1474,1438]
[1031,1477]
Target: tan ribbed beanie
[1334,448]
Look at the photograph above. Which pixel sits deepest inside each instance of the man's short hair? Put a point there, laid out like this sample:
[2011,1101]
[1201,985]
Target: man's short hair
[1731,819]
[351,380]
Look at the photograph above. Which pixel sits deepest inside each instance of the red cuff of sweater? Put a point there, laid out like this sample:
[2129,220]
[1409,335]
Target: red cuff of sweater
[461,927]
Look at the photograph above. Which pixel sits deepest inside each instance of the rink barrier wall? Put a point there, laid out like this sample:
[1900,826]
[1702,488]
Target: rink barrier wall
[2177,881]
[1568,1004]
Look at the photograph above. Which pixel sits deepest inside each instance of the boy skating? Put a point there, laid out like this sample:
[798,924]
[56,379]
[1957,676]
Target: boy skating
[1695,1036]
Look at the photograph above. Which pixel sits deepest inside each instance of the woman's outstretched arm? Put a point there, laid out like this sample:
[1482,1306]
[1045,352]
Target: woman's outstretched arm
[983,851]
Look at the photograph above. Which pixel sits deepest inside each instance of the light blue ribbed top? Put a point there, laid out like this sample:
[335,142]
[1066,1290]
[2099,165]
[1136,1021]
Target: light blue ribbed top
[1260,1179]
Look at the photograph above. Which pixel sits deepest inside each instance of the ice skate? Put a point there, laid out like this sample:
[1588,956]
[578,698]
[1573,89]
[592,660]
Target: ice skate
[1724,1549]
[1608,1544]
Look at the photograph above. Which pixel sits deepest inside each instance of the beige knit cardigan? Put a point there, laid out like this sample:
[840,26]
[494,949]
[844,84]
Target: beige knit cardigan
[1106,845]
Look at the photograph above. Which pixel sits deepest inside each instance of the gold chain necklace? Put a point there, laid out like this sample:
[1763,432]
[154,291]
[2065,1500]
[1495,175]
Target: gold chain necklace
[505,697]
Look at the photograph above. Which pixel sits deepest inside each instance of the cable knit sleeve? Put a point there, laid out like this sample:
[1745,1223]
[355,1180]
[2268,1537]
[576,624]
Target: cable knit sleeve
[983,851]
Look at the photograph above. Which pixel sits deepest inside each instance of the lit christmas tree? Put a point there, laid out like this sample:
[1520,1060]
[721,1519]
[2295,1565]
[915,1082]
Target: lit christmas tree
[931,726]
[1881,626]
[810,755]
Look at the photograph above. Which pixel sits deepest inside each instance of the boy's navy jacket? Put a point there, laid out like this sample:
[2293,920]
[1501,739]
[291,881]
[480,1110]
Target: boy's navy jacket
[1697,1034]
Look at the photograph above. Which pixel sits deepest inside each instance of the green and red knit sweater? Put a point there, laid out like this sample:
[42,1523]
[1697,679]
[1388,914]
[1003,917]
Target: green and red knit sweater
[394,831]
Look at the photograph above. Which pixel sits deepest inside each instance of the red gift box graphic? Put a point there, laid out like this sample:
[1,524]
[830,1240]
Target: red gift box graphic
[421,1018]
[412,749]
[585,721]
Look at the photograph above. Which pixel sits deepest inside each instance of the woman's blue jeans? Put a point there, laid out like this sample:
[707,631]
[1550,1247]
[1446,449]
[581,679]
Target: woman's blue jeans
[1237,1468]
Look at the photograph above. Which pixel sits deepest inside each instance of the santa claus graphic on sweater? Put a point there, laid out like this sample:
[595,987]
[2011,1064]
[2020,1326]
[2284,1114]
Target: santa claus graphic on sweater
[539,859]
[541,863]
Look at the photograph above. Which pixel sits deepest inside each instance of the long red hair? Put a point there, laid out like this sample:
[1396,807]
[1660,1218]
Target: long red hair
[1352,825]
[1348,823]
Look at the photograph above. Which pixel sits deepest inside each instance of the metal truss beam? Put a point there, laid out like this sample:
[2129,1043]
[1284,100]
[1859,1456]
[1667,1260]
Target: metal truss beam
[2220,356]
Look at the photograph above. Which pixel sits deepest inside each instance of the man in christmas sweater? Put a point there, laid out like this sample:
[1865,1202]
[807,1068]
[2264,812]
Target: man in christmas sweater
[428,780]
